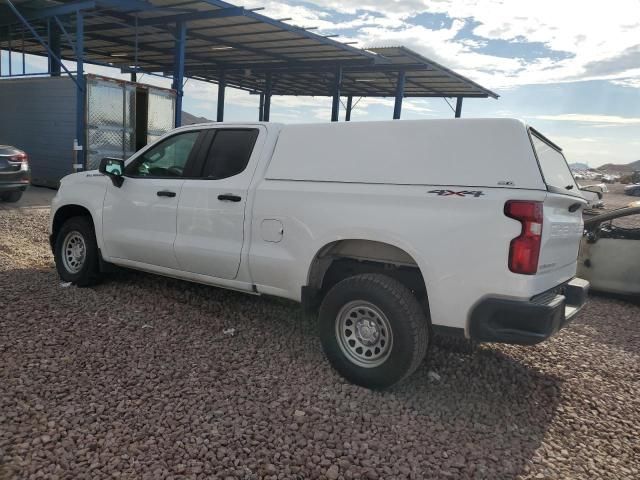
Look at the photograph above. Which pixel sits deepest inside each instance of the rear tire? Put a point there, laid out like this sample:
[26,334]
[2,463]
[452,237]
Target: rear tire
[12,197]
[76,252]
[373,330]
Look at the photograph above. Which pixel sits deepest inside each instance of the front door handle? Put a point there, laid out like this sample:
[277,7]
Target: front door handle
[166,193]
[228,197]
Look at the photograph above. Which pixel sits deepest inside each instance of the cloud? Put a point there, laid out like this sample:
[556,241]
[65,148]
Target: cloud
[629,59]
[585,118]
[596,42]
[627,82]
[595,151]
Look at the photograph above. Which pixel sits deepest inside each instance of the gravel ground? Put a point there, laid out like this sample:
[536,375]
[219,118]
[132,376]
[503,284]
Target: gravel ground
[141,377]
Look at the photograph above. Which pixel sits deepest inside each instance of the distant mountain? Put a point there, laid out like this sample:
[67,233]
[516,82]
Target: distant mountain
[578,166]
[188,119]
[620,168]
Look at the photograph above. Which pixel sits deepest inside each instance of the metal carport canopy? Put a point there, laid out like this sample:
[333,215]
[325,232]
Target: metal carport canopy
[423,78]
[214,41]
[141,35]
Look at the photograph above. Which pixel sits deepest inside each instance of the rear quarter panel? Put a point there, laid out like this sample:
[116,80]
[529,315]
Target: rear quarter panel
[460,243]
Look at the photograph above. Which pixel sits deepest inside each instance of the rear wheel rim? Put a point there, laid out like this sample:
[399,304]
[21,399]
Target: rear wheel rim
[74,251]
[364,334]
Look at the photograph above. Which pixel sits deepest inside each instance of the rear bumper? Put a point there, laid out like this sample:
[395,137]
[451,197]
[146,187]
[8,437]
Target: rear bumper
[527,323]
[7,187]
[14,181]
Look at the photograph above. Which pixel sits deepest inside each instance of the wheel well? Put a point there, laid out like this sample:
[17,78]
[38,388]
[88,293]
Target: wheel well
[65,213]
[344,258]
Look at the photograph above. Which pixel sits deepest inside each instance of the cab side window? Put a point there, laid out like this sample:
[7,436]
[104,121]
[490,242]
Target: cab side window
[166,159]
[229,153]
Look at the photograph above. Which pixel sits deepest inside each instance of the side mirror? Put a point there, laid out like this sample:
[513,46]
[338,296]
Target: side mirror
[114,169]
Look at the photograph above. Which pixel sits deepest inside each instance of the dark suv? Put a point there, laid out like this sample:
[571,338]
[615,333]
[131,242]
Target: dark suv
[14,173]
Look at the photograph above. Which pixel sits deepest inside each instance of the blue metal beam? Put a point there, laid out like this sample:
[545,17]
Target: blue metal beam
[66,34]
[178,71]
[187,17]
[347,114]
[80,92]
[40,40]
[337,84]
[458,107]
[57,10]
[128,5]
[261,107]
[10,50]
[54,43]
[397,107]
[221,87]
[299,66]
[238,46]
[23,54]
[268,85]
[130,59]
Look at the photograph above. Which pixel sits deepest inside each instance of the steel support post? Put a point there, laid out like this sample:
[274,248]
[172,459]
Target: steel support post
[261,108]
[10,50]
[178,70]
[347,113]
[397,107]
[134,77]
[24,64]
[54,43]
[222,85]
[266,113]
[80,92]
[458,107]
[335,104]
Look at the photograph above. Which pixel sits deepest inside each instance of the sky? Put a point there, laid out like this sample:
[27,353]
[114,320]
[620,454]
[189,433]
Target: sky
[569,68]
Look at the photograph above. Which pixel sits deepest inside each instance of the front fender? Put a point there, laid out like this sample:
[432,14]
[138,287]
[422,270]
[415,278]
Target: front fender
[86,190]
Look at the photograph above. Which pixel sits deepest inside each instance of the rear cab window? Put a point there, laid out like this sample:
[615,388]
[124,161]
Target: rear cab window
[229,153]
[554,167]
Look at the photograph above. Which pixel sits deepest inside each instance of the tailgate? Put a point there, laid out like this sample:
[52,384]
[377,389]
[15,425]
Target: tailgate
[562,227]
[561,232]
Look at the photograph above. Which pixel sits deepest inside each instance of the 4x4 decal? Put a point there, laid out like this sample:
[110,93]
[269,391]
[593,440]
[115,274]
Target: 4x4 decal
[460,193]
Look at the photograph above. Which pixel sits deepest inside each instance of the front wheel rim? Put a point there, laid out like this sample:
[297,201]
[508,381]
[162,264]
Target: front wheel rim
[74,252]
[364,334]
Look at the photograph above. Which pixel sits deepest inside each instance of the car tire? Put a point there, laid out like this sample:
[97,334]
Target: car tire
[76,252]
[373,330]
[12,197]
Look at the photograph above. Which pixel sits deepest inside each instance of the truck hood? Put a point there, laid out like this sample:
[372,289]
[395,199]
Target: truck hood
[79,177]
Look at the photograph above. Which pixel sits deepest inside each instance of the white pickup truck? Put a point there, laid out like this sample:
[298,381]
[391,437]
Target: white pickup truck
[390,230]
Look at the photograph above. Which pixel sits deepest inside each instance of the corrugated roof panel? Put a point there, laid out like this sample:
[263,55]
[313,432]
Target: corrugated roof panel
[246,44]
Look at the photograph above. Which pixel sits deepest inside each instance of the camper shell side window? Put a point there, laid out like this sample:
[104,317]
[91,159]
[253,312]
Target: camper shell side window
[553,165]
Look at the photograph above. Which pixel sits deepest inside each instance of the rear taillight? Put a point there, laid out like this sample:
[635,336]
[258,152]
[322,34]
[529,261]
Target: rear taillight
[20,157]
[524,250]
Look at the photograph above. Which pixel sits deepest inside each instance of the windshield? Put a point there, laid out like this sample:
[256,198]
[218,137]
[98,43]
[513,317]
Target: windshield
[554,167]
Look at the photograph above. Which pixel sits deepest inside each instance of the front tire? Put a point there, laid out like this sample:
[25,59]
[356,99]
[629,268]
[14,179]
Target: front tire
[373,330]
[76,252]
[12,197]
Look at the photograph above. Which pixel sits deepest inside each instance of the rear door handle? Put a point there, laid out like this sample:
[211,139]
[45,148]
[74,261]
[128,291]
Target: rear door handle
[228,197]
[166,193]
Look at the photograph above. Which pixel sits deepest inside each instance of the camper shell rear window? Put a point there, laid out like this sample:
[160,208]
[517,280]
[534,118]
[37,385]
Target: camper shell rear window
[554,167]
